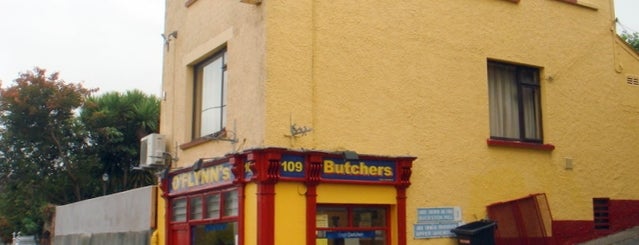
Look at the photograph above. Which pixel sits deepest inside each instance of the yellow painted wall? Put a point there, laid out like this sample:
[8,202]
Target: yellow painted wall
[290,210]
[409,78]
[203,29]
[159,234]
[250,214]
[357,194]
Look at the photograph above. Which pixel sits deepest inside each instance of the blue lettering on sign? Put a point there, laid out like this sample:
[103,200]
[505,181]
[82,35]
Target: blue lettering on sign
[349,234]
[433,230]
[215,227]
[438,214]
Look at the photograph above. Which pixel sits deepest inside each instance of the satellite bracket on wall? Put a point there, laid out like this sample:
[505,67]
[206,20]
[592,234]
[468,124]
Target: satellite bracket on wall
[297,131]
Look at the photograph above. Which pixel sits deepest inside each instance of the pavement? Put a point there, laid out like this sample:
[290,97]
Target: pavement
[626,237]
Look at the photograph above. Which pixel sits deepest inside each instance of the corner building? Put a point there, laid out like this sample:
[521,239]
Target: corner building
[392,122]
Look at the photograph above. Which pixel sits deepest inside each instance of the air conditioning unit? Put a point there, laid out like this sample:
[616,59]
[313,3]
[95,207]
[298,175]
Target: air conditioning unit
[152,150]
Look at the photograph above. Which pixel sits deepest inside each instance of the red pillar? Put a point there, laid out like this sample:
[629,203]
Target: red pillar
[266,166]
[314,170]
[403,182]
[237,164]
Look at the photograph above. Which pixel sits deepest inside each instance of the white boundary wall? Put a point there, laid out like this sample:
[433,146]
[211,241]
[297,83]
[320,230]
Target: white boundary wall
[129,211]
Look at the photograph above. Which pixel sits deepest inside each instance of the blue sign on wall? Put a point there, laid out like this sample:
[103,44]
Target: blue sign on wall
[292,166]
[349,234]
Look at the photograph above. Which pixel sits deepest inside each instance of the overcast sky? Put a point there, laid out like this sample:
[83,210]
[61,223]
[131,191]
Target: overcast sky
[114,45]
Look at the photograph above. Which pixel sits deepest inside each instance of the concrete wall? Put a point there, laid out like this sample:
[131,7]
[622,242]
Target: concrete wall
[137,238]
[128,215]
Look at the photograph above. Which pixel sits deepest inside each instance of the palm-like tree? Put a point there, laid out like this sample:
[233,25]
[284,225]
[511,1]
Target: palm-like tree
[117,122]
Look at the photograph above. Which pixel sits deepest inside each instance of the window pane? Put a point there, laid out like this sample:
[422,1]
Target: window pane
[333,216]
[213,206]
[211,95]
[212,84]
[503,105]
[369,217]
[210,121]
[230,203]
[179,210]
[532,113]
[196,208]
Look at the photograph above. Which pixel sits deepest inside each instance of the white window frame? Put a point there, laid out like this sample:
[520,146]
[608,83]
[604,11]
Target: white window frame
[210,92]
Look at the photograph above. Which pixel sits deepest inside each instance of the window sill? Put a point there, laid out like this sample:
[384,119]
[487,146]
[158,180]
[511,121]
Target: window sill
[519,144]
[219,135]
[195,142]
[581,3]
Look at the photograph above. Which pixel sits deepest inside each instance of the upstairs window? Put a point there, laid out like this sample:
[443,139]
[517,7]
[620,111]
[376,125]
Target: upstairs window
[210,95]
[514,97]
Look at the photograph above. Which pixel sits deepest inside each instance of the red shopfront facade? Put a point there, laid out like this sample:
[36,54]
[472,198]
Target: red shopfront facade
[278,196]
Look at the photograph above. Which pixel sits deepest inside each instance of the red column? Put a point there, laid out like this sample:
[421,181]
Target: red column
[237,164]
[403,181]
[266,166]
[313,172]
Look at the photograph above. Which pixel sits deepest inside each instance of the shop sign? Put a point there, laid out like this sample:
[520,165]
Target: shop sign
[349,234]
[215,175]
[437,222]
[361,170]
[292,166]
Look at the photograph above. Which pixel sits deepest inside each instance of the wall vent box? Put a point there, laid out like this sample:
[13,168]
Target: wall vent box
[152,150]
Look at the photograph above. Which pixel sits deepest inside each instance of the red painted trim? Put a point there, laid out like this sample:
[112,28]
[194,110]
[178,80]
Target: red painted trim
[404,172]
[238,171]
[401,216]
[164,185]
[267,166]
[312,180]
[520,144]
[266,214]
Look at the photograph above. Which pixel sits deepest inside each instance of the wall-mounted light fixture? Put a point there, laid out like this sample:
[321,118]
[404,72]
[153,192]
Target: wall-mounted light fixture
[351,155]
[168,38]
[197,165]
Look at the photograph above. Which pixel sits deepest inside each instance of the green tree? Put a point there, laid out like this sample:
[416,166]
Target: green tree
[631,38]
[42,147]
[56,141]
[117,122]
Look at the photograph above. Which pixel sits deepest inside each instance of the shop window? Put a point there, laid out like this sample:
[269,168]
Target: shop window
[213,206]
[515,102]
[210,96]
[214,234]
[179,210]
[230,203]
[196,207]
[352,224]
